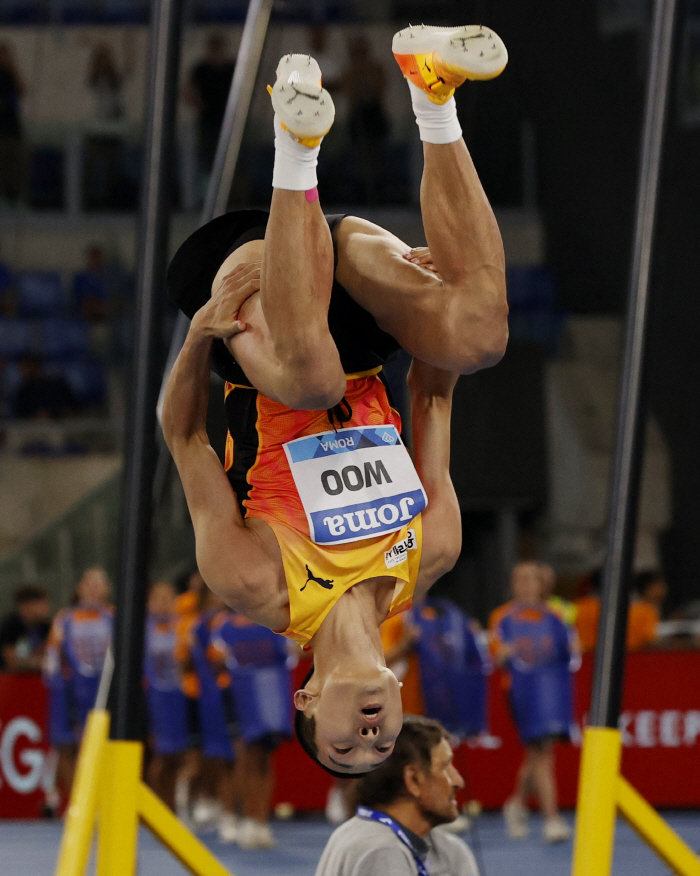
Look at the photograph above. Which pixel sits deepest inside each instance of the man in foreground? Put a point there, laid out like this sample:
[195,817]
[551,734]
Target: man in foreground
[332,526]
[400,805]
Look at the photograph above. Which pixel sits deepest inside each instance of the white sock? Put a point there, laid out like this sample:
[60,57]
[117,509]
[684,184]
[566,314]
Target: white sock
[295,165]
[437,123]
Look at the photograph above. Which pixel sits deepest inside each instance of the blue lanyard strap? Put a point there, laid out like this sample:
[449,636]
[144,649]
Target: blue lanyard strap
[382,818]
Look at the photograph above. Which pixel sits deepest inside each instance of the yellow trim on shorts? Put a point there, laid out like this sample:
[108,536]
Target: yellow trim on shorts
[358,374]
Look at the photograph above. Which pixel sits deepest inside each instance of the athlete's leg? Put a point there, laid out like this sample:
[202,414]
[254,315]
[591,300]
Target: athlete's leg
[457,320]
[295,289]
[296,276]
[431,407]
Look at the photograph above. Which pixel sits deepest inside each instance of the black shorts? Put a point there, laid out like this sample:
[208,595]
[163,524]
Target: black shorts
[362,345]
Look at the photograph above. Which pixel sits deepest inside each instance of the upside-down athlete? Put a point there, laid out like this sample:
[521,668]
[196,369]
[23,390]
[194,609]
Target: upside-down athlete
[325,526]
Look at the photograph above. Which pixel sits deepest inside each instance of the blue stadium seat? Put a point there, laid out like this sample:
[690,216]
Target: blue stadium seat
[64,337]
[17,338]
[39,293]
[87,378]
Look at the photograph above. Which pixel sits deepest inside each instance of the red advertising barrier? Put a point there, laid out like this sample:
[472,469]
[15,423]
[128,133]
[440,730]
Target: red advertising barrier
[660,726]
[23,745]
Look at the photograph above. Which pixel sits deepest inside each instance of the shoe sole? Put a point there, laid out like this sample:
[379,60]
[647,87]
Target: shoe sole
[299,68]
[303,106]
[474,50]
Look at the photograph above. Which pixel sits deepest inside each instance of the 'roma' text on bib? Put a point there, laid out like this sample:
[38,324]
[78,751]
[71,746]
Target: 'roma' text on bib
[355,483]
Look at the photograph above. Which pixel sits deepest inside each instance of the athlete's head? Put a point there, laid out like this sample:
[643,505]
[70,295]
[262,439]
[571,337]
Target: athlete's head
[93,588]
[349,724]
[526,582]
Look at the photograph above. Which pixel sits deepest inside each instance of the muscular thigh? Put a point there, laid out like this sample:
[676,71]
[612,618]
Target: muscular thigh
[407,301]
[253,349]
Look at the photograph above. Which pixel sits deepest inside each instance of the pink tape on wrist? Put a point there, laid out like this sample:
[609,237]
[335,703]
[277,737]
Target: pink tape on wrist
[312,194]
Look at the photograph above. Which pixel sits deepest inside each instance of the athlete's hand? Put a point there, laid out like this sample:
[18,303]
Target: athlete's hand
[219,316]
[420,255]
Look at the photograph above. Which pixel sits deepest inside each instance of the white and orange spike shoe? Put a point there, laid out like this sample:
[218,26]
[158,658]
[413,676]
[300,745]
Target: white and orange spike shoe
[305,109]
[440,59]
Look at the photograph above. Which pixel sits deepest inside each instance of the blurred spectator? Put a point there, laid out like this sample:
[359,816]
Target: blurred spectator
[12,151]
[206,683]
[645,609]
[453,664]
[104,140]
[91,286]
[39,396]
[258,665]
[24,631]
[167,705]
[535,648]
[105,82]
[588,612]
[401,805]
[207,91]
[75,654]
[642,618]
[363,84]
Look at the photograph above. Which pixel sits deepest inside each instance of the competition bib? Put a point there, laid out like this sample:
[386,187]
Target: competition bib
[355,483]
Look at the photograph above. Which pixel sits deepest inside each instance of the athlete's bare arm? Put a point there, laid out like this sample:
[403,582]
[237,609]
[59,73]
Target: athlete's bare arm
[431,408]
[239,560]
[457,319]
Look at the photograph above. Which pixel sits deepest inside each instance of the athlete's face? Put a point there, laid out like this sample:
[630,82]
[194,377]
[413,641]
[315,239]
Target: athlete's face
[357,720]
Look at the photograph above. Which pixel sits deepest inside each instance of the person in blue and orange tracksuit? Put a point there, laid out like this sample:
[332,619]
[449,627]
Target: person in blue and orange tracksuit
[325,525]
[210,806]
[258,663]
[167,704]
[75,653]
[535,647]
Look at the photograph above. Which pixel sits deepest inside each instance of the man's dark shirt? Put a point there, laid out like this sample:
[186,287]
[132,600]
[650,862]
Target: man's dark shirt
[14,631]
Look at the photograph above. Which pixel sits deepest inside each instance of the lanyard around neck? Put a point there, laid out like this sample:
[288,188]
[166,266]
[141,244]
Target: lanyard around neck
[382,818]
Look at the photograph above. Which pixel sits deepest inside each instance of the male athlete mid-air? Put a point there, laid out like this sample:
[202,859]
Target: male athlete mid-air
[323,525]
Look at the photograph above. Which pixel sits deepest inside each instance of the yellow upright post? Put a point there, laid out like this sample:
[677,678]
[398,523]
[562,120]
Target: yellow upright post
[597,802]
[80,819]
[119,809]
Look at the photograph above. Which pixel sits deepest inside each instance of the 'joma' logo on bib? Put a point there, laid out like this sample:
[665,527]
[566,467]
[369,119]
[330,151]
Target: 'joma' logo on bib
[352,478]
[366,519]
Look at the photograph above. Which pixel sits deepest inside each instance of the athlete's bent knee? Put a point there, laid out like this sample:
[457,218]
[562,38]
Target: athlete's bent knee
[311,385]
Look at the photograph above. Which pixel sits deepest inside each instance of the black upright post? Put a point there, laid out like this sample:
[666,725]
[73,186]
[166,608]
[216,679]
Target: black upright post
[610,651]
[140,456]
